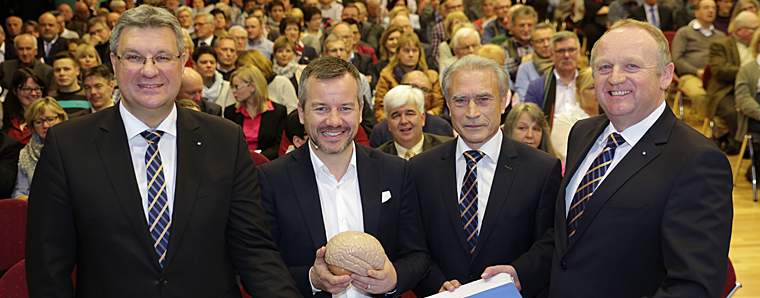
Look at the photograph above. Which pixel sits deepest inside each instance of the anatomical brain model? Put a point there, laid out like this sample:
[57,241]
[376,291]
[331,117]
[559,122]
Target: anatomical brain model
[354,251]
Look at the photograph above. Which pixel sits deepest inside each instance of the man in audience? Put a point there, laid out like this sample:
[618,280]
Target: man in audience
[621,9]
[295,132]
[79,22]
[100,38]
[405,115]
[438,33]
[331,10]
[539,63]
[241,38]
[725,59]
[691,51]
[98,86]
[630,237]
[66,11]
[362,62]
[370,32]
[119,6]
[500,25]
[50,43]
[13,27]
[185,17]
[354,187]
[25,46]
[466,41]
[522,22]
[204,30]
[111,19]
[360,46]
[226,54]
[560,96]
[192,89]
[658,15]
[496,180]
[220,22]
[95,176]
[256,38]
[70,94]
[432,124]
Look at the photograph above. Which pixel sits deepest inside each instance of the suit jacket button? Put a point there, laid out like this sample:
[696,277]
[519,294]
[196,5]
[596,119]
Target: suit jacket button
[163,281]
[563,266]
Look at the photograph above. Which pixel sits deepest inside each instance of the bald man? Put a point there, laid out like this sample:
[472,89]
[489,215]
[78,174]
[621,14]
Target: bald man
[49,43]
[78,22]
[192,89]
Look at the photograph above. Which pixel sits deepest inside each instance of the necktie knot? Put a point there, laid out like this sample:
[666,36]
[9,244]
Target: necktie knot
[615,140]
[473,156]
[152,136]
[409,154]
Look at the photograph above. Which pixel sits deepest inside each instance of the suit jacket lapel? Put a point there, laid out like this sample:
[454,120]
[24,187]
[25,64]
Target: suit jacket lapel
[189,166]
[506,167]
[371,190]
[447,177]
[304,184]
[113,147]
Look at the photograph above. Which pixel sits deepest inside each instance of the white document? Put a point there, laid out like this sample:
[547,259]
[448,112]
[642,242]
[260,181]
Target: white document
[500,285]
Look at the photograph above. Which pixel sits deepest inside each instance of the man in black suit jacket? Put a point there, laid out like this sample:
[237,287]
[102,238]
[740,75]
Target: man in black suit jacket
[333,185]
[659,223]
[665,22]
[517,184]
[50,43]
[90,199]
[26,48]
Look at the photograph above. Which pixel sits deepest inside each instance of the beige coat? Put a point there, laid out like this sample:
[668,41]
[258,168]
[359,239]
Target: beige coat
[744,92]
[387,81]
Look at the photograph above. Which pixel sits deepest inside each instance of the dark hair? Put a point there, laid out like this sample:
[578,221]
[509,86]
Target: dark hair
[326,68]
[217,11]
[12,107]
[309,12]
[273,4]
[204,50]
[76,41]
[293,126]
[287,21]
[66,55]
[353,22]
[98,71]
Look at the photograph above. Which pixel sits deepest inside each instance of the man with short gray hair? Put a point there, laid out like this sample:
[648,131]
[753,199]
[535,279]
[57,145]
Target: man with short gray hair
[167,195]
[25,46]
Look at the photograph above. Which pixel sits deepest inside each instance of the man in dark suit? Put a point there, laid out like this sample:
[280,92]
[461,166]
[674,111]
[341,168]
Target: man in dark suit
[362,62]
[50,43]
[204,30]
[513,196]
[655,217]
[334,185]
[26,48]
[405,115]
[645,13]
[100,38]
[192,89]
[146,199]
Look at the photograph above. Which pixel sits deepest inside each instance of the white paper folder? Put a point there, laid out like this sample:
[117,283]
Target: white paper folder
[500,285]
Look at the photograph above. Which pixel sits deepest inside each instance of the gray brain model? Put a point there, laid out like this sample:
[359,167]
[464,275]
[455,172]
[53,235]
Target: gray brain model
[354,251]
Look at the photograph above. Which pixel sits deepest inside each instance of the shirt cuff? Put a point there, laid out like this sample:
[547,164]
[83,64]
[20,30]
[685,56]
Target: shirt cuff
[313,289]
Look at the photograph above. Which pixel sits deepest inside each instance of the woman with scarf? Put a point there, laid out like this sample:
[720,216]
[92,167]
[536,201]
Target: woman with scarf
[42,113]
[215,88]
[290,27]
[285,61]
[409,56]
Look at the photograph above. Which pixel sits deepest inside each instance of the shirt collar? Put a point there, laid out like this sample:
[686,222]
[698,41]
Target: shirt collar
[52,41]
[635,132]
[417,148]
[647,7]
[134,126]
[321,169]
[559,79]
[492,148]
[209,40]
[706,32]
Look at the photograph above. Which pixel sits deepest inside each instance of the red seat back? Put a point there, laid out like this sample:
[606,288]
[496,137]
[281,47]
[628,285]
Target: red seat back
[13,283]
[259,159]
[730,280]
[706,76]
[13,226]
[669,35]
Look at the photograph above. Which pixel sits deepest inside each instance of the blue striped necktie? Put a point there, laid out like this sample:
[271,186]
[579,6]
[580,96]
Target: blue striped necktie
[590,181]
[468,203]
[158,210]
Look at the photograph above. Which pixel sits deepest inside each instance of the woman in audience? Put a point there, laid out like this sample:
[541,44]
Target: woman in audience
[215,88]
[586,106]
[452,19]
[280,89]
[290,27]
[285,61]
[387,44]
[526,123]
[87,57]
[261,119]
[409,56]
[42,113]
[313,35]
[414,19]
[189,48]
[489,11]
[30,27]
[26,86]
[742,5]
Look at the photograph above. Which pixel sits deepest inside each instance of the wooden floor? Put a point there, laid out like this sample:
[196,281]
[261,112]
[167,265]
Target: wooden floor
[745,240]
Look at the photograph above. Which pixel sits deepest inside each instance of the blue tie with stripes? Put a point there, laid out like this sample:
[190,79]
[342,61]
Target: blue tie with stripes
[468,203]
[590,181]
[158,212]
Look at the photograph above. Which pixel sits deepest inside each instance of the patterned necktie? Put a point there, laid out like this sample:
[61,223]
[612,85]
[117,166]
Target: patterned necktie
[409,154]
[468,203]
[203,43]
[654,17]
[590,181]
[158,213]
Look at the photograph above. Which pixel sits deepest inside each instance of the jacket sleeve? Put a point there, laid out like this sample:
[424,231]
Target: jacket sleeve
[746,89]
[436,101]
[720,67]
[383,86]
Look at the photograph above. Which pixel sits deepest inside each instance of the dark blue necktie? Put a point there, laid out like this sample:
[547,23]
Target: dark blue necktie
[468,203]
[654,17]
[158,212]
[590,181]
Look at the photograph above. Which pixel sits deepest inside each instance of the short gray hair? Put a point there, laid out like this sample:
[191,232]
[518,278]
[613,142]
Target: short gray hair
[219,39]
[743,18]
[562,36]
[34,39]
[524,11]
[471,63]
[146,16]
[183,8]
[117,4]
[541,26]
[401,95]
[663,49]
[327,68]
[463,33]
[209,17]
[332,38]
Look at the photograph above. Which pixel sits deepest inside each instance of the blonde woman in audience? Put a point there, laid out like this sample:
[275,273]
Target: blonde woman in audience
[586,106]
[452,20]
[526,123]
[742,5]
[42,113]
[387,45]
[409,56]
[280,89]
[87,57]
[261,119]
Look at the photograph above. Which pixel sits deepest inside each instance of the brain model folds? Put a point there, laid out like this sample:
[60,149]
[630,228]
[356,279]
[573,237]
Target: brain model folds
[354,251]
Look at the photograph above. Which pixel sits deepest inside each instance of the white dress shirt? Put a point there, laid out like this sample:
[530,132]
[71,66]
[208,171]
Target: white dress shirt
[705,31]
[341,205]
[486,170]
[167,147]
[564,99]
[631,135]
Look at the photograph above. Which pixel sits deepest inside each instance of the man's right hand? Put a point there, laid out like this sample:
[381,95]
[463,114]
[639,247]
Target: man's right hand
[493,270]
[95,40]
[323,279]
[450,286]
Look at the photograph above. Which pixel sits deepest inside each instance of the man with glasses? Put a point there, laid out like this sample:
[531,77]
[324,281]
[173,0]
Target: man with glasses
[168,197]
[204,30]
[100,38]
[500,25]
[726,56]
[438,34]
[362,62]
[522,22]
[26,49]
[466,41]
[560,96]
[537,64]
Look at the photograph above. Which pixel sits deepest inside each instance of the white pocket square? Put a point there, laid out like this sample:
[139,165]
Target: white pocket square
[386,196]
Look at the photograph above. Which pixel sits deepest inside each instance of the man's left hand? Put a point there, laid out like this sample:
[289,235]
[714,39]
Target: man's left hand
[378,281]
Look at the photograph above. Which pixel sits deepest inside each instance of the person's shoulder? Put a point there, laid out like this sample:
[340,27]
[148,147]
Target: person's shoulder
[385,160]
[423,159]
[527,154]
[439,139]
[385,147]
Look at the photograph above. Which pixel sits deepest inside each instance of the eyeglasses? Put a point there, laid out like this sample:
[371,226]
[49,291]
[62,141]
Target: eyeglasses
[423,89]
[472,47]
[541,41]
[30,90]
[238,87]
[562,52]
[134,62]
[49,120]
